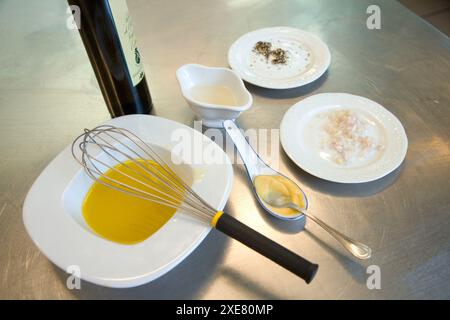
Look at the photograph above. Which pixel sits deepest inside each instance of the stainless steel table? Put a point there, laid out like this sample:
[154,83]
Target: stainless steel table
[48,93]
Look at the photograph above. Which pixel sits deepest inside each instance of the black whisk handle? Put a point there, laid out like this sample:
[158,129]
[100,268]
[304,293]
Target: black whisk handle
[268,248]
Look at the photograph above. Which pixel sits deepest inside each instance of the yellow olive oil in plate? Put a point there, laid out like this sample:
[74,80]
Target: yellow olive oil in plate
[124,218]
[218,95]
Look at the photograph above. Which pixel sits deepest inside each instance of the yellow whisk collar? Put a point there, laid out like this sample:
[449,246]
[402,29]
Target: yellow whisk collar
[216,218]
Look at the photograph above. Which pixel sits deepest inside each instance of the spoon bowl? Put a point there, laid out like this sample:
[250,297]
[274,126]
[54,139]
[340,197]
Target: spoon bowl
[257,167]
[269,188]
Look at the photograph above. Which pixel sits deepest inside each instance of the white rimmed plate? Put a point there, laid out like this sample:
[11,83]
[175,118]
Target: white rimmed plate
[301,135]
[53,219]
[308,58]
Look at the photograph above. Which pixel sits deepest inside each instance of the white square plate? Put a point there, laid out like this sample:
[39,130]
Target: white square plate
[53,219]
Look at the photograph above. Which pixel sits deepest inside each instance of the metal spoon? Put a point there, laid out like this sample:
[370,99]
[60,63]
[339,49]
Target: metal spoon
[255,167]
[358,249]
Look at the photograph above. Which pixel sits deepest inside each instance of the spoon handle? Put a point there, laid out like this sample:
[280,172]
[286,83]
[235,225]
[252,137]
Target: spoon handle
[358,249]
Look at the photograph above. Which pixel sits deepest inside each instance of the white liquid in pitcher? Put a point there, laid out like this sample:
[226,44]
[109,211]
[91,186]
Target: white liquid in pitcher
[219,95]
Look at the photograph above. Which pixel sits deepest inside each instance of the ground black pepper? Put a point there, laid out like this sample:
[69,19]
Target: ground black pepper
[279,56]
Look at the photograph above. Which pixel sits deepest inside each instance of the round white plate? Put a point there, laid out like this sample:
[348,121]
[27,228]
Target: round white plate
[53,219]
[302,138]
[308,58]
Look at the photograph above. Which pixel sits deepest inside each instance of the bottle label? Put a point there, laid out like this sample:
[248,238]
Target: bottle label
[127,38]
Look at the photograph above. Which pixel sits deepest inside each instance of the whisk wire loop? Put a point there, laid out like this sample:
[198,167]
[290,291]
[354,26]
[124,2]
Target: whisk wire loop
[155,179]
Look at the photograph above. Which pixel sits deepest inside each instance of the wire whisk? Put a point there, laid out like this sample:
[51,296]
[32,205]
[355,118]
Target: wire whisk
[108,147]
